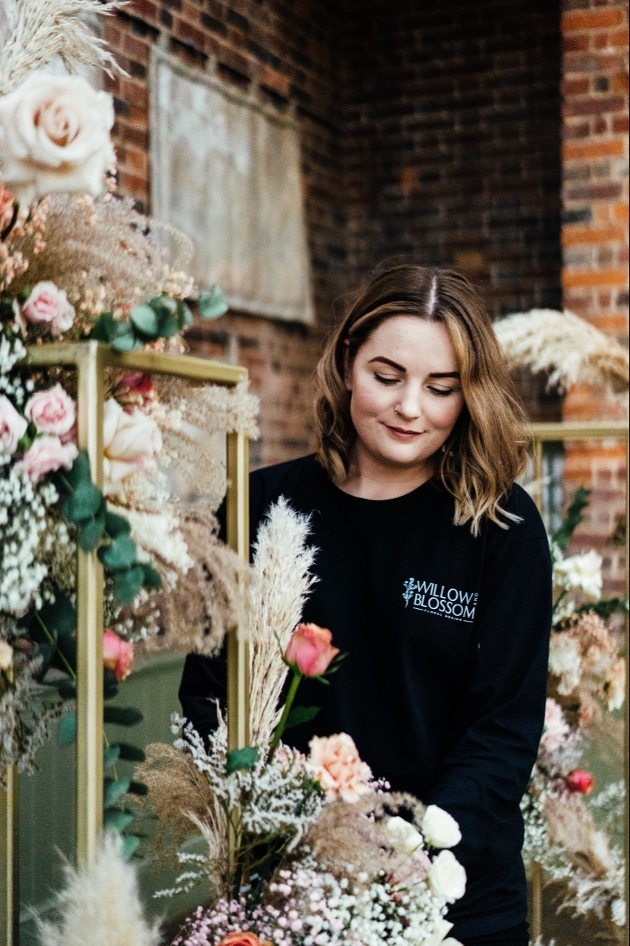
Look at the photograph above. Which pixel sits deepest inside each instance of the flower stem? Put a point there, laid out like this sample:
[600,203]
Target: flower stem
[295,682]
[54,643]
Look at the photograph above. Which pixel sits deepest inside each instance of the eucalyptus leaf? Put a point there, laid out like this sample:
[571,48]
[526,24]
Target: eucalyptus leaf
[116,525]
[127,342]
[111,755]
[127,584]
[105,328]
[212,304]
[67,729]
[241,759]
[145,320]
[79,472]
[67,690]
[116,819]
[184,314]
[138,788]
[131,843]
[120,554]
[130,752]
[114,789]
[84,503]
[60,615]
[90,534]
[152,579]
[122,715]
[169,325]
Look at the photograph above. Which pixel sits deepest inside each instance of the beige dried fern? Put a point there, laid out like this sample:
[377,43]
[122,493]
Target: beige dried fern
[48,28]
[569,348]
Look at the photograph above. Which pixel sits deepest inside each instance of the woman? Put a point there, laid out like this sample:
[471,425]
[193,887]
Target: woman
[434,570]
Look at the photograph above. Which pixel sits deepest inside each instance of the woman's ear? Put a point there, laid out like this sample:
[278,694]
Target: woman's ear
[347,369]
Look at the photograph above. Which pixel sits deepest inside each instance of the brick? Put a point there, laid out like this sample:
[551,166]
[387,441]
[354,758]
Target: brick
[592,235]
[612,277]
[591,20]
[593,149]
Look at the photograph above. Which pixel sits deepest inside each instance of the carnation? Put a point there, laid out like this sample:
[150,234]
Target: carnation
[335,763]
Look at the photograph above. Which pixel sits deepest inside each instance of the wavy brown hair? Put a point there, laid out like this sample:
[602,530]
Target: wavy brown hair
[486,450]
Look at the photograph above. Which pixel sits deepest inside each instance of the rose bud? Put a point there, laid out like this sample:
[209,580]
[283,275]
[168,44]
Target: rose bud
[310,650]
[135,390]
[580,781]
[243,939]
[117,655]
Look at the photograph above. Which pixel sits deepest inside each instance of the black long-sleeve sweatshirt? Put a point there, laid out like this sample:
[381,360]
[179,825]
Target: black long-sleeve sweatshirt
[443,688]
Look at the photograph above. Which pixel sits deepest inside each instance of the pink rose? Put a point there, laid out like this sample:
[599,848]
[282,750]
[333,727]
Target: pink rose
[12,426]
[580,781]
[135,389]
[7,206]
[117,655]
[130,441]
[52,411]
[45,455]
[310,650]
[48,305]
[335,763]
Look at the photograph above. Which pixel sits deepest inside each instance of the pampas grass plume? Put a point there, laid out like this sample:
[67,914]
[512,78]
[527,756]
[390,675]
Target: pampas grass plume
[569,348]
[100,905]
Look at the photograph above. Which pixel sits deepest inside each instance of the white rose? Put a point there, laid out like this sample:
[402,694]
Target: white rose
[439,828]
[54,136]
[402,836]
[565,662]
[447,877]
[581,571]
[6,655]
[12,426]
[436,938]
[48,305]
[130,441]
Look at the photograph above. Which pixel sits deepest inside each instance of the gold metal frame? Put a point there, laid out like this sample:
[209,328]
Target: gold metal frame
[90,360]
[563,433]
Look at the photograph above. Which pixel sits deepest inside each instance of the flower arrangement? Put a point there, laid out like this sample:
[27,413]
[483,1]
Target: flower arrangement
[567,826]
[320,852]
[78,262]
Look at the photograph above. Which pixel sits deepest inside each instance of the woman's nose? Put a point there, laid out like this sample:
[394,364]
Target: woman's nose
[410,405]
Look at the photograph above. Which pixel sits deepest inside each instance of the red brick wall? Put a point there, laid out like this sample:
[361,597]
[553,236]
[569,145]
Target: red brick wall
[293,56]
[595,241]
[453,147]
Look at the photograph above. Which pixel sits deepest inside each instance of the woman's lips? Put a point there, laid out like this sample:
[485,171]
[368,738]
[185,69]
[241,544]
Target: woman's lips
[403,434]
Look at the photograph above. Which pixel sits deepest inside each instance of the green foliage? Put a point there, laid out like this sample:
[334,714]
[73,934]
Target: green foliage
[114,789]
[161,317]
[117,819]
[122,715]
[111,755]
[604,608]
[68,729]
[572,518]
[301,714]
[241,759]
[130,752]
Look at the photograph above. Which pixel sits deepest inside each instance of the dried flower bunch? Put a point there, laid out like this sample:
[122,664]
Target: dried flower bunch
[78,262]
[563,830]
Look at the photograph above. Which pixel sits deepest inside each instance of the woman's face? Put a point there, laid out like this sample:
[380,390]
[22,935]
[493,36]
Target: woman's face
[405,394]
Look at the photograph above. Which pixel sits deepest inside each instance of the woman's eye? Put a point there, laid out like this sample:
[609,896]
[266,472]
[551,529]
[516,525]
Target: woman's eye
[442,392]
[385,380]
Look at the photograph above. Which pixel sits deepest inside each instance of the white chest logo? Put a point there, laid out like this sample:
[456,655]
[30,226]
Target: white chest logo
[440,600]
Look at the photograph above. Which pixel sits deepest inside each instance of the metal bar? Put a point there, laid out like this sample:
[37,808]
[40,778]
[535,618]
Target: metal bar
[580,431]
[536,904]
[9,859]
[238,538]
[537,461]
[89,813]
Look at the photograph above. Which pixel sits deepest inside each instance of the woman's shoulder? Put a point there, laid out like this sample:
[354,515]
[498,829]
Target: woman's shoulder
[298,480]
[528,523]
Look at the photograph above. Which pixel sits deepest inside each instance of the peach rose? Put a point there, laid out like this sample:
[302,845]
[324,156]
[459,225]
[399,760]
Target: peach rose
[48,305]
[117,655]
[243,939]
[12,426]
[130,441]
[310,649]
[55,136]
[7,206]
[52,411]
[45,455]
[335,763]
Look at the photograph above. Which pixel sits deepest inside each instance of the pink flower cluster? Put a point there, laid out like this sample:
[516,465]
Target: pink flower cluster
[48,306]
[53,414]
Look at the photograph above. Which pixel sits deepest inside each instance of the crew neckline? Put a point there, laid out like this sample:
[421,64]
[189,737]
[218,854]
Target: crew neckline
[350,497]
